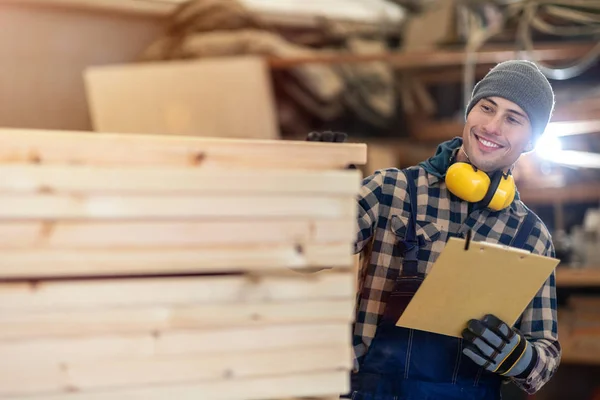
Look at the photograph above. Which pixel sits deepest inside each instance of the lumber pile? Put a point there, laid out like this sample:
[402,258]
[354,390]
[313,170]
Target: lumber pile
[163,267]
[579,330]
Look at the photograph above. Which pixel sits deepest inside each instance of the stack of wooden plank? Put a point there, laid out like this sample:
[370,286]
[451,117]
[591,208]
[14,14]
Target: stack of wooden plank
[160,267]
[579,329]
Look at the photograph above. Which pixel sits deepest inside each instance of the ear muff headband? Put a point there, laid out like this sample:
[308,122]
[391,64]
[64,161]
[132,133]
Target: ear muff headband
[475,186]
[494,183]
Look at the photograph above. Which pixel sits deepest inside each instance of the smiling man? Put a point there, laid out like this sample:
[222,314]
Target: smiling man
[490,149]
[405,218]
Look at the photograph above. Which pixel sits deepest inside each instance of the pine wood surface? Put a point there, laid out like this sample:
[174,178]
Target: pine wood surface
[155,267]
[93,148]
[270,387]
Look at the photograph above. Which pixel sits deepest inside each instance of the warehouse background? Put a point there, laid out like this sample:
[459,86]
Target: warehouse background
[393,74]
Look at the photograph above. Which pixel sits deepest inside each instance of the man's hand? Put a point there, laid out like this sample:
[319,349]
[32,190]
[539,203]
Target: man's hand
[327,136]
[330,137]
[498,348]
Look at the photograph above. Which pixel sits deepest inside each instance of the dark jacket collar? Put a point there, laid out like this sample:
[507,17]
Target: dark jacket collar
[438,164]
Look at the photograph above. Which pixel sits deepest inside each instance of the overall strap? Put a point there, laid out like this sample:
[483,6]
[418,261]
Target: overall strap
[520,239]
[411,242]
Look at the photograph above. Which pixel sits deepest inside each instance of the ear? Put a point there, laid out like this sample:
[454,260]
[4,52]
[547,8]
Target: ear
[530,147]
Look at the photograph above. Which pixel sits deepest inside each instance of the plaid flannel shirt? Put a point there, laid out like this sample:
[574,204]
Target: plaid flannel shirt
[383,215]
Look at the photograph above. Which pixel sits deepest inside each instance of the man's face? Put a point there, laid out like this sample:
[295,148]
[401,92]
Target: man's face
[496,133]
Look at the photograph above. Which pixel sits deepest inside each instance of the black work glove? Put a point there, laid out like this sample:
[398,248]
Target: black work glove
[498,348]
[327,136]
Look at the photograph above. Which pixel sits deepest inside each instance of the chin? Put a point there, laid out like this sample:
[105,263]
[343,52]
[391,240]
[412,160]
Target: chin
[486,161]
[485,167]
[489,165]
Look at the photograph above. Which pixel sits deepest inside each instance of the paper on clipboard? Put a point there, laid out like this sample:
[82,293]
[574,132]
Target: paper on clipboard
[465,284]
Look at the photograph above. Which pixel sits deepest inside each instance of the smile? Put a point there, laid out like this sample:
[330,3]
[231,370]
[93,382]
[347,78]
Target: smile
[488,144]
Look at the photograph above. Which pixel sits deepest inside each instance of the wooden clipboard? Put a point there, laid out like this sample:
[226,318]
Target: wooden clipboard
[465,284]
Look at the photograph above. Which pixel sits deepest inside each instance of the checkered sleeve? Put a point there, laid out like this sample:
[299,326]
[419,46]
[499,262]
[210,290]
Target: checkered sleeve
[368,208]
[539,322]
[381,194]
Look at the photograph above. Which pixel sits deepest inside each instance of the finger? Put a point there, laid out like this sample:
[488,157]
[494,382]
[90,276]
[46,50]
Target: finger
[490,337]
[474,341]
[469,336]
[482,331]
[474,355]
[499,327]
[485,349]
[314,137]
[327,136]
[340,137]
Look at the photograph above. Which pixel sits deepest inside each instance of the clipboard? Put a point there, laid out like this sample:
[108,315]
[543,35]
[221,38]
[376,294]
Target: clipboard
[468,283]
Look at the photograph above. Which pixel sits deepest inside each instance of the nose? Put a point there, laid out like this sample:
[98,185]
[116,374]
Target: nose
[494,125]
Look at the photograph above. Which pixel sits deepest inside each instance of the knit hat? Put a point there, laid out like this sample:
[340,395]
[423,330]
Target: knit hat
[522,83]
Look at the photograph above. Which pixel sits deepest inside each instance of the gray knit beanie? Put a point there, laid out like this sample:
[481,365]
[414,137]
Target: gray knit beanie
[522,83]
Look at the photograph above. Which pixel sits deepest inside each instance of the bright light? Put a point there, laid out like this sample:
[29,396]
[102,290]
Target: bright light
[548,146]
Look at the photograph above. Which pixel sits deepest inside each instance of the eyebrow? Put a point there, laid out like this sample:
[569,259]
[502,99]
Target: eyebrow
[510,110]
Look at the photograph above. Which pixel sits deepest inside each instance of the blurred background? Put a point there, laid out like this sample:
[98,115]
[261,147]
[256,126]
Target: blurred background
[394,74]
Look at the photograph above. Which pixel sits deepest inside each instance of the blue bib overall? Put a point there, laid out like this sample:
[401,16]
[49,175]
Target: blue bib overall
[407,364]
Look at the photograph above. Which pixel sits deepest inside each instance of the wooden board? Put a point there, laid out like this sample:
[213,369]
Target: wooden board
[79,263]
[87,148]
[174,180]
[184,207]
[213,97]
[578,277]
[421,60]
[173,234]
[273,387]
[95,321]
[185,342]
[160,370]
[51,296]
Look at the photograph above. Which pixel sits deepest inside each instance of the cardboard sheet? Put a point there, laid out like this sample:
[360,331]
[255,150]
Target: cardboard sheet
[465,284]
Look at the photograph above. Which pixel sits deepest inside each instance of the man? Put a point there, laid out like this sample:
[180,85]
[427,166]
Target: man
[406,217]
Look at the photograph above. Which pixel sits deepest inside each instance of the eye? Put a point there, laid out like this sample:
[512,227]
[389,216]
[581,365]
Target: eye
[514,121]
[485,108]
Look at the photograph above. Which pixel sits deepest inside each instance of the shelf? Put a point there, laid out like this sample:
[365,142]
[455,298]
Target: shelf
[288,13]
[576,192]
[578,277]
[572,355]
[441,57]
[158,8]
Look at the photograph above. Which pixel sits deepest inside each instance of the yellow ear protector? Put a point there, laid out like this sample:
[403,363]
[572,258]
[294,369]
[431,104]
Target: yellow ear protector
[465,181]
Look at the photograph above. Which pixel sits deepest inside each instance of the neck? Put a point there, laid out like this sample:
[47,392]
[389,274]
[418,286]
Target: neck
[461,156]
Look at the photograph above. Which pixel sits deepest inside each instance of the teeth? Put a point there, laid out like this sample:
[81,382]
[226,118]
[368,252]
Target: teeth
[488,143]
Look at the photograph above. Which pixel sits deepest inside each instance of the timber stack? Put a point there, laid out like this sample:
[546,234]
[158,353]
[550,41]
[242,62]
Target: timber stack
[164,267]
